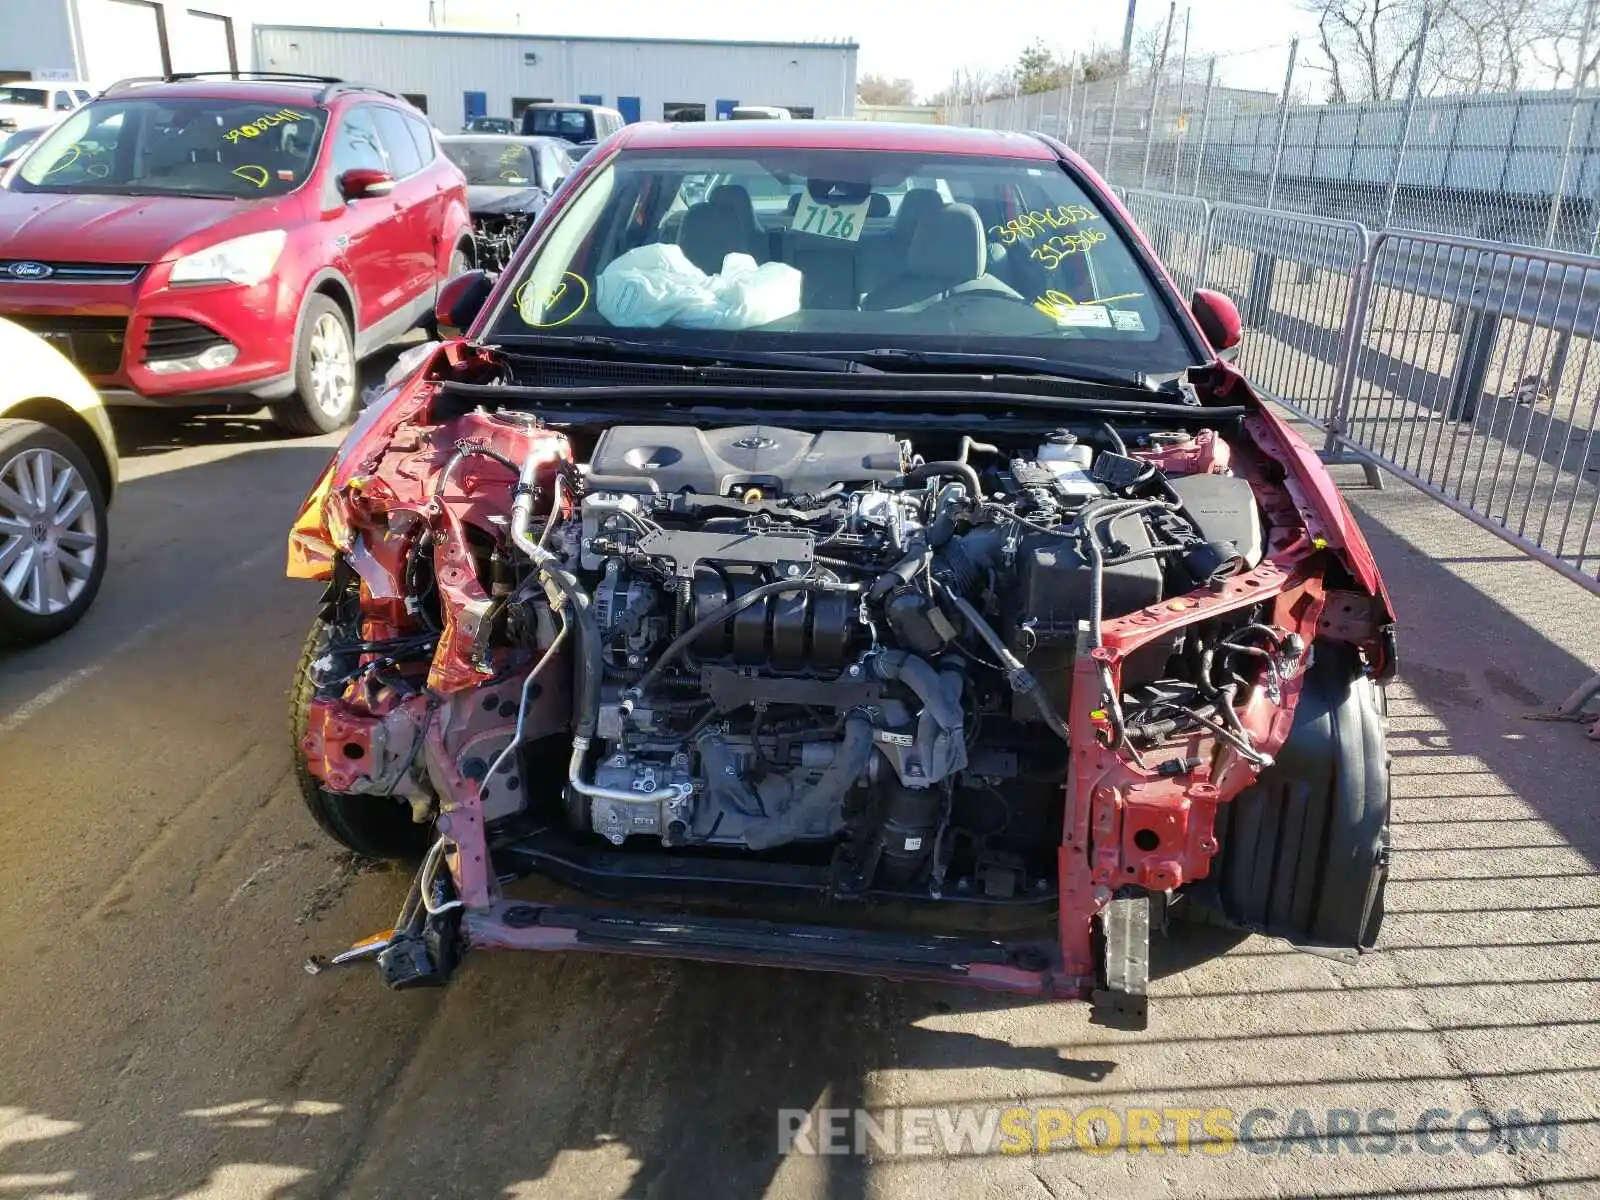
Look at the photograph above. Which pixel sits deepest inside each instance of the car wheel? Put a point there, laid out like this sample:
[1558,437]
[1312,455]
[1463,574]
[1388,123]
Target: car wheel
[1305,851]
[324,373]
[377,826]
[53,533]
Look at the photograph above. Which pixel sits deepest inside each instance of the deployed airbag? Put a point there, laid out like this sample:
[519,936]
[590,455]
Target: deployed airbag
[657,285]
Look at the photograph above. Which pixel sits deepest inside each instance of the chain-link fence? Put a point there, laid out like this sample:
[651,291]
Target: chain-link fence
[1513,166]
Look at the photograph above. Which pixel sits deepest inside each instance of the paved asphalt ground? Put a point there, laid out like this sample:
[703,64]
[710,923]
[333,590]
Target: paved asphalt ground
[158,1037]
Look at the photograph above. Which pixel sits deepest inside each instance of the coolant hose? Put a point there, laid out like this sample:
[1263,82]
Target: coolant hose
[849,763]
[590,665]
[960,470]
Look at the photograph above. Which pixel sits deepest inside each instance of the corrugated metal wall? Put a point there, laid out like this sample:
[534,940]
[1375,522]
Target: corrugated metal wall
[35,37]
[444,65]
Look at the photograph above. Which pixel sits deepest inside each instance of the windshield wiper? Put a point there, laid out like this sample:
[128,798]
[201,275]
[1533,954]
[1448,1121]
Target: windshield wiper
[1002,364]
[598,346]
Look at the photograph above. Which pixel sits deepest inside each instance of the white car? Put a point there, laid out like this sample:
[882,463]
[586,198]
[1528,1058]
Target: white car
[28,102]
[58,469]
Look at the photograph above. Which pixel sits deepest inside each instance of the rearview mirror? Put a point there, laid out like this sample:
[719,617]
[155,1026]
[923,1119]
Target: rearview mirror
[460,301]
[1218,318]
[360,183]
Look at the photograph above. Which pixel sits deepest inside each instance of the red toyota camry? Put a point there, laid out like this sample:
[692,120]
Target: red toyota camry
[840,546]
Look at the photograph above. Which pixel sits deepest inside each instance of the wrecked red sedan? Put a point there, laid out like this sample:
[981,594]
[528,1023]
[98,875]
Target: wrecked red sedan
[840,546]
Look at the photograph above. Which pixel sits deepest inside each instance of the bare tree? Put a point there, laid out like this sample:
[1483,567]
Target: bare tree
[1368,45]
[876,89]
[1559,31]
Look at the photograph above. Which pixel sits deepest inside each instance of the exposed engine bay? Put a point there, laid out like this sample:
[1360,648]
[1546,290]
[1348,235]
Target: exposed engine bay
[808,636]
[1018,678]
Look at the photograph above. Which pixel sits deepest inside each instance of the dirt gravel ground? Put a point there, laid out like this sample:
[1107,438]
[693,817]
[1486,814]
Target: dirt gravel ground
[158,1037]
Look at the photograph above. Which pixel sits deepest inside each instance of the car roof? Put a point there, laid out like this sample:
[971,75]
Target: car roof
[833,135]
[248,91]
[524,139]
[575,105]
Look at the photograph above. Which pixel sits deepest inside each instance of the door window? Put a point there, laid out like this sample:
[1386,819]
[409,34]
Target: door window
[422,135]
[404,161]
[675,111]
[357,146]
[64,102]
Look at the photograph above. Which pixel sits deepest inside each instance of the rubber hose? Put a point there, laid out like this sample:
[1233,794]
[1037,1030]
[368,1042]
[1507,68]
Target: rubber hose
[919,675]
[848,765]
[960,470]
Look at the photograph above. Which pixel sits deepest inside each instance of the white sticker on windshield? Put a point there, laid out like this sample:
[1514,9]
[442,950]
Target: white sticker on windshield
[841,221]
[1082,316]
[1127,320]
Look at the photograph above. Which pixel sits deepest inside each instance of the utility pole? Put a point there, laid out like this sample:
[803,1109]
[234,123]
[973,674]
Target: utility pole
[1155,96]
[1580,74]
[1127,36]
[1181,122]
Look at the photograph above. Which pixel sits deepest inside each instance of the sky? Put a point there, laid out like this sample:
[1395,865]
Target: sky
[925,42]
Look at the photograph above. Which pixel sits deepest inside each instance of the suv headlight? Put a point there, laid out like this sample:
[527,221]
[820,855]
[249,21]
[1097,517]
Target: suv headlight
[246,260]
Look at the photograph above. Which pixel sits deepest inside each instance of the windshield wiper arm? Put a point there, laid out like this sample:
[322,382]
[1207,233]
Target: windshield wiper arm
[597,345]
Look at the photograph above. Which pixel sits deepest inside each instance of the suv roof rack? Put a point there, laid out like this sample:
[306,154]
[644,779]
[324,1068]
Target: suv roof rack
[338,87]
[246,76]
[332,84]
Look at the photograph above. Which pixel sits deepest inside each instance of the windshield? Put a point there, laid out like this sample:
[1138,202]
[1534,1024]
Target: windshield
[178,147]
[29,97]
[494,164]
[569,123]
[848,250]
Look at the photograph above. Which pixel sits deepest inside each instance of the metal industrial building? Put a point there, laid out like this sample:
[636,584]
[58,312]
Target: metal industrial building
[105,40]
[454,74]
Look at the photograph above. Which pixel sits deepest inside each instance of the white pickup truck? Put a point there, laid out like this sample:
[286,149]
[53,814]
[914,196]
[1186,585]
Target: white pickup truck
[29,102]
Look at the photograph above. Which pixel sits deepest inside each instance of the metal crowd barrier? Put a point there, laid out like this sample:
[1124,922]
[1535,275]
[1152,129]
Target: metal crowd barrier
[1470,369]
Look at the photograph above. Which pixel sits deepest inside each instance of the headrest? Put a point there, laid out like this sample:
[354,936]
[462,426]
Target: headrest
[949,244]
[731,196]
[914,205]
[877,206]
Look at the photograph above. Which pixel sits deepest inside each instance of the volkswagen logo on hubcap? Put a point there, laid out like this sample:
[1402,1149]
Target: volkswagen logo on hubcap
[29,270]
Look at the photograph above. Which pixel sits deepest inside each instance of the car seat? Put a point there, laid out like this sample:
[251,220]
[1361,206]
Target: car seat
[722,224]
[947,255]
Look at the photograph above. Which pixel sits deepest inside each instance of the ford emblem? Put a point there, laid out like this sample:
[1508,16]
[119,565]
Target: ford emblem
[30,270]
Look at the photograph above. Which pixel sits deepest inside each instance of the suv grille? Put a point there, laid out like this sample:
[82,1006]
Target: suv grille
[70,272]
[173,337]
[94,344]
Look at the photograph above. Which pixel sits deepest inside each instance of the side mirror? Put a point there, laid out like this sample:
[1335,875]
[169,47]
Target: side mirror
[360,183]
[460,300]
[1218,318]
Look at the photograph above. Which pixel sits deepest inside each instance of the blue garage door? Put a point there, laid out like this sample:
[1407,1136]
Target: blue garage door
[628,106]
[476,104]
[725,109]
[591,99]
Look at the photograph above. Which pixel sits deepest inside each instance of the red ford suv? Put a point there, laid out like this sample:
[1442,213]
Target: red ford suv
[196,241]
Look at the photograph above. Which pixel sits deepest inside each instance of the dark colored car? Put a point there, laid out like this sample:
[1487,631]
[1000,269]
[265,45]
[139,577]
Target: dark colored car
[509,181]
[571,122]
[199,241]
[840,546]
[489,125]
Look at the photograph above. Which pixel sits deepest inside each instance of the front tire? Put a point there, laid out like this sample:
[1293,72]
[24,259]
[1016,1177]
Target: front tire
[324,373]
[1305,851]
[53,533]
[376,826]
